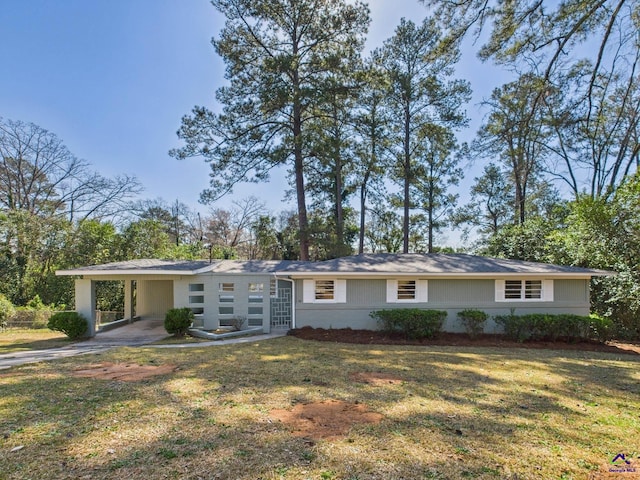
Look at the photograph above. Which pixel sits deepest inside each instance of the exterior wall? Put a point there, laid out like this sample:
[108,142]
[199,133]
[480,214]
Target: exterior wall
[154,298]
[85,291]
[367,295]
[219,307]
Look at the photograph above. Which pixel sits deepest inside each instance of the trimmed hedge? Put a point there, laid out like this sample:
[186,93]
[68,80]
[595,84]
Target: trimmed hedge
[413,322]
[473,321]
[72,324]
[178,320]
[566,327]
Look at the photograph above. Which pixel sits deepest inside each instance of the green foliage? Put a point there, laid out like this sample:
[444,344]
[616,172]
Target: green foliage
[178,320]
[6,310]
[473,321]
[72,324]
[561,327]
[413,322]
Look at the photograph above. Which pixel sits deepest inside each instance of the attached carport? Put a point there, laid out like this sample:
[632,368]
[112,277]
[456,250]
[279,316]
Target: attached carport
[148,285]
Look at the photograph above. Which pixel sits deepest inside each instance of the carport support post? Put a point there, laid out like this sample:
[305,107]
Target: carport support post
[128,300]
[86,303]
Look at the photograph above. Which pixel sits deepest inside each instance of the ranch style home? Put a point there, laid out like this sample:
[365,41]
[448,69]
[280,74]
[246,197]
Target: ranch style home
[339,293]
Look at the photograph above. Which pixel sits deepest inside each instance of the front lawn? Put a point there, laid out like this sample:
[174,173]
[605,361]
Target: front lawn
[20,339]
[440,412]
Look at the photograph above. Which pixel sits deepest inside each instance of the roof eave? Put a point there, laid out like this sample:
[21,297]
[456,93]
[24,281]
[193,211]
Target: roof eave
[104,273]
[449,275]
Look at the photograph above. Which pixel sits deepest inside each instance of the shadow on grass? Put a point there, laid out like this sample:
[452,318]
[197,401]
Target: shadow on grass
[458,412]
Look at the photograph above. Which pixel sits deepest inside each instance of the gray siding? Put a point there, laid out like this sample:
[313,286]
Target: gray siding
[365,296]
[253,306]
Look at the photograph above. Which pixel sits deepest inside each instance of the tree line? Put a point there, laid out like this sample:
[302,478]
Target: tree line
[371,146]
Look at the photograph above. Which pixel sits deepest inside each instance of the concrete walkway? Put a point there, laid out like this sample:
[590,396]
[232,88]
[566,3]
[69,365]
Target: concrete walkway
[140,333]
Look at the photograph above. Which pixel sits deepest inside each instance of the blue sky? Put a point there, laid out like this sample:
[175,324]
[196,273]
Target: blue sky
[112,79]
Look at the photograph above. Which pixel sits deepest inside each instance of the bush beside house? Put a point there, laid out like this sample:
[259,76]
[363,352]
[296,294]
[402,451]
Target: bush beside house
[178,320]
[473,321]
[413,322]
[567,327]
[72,324]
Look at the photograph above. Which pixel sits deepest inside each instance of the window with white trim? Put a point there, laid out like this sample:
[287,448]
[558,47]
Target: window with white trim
[534,290]
[326,290]
[407,290]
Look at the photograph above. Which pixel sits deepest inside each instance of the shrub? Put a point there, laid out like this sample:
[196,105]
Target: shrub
[565,326]
[72,324]
[413,322]
[6,311]
[514,326]
[178,320]
[238,323]
[600,328]
[473,321]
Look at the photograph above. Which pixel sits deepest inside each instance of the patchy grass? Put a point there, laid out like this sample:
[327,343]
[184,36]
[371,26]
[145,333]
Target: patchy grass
[20,339]
[456,413]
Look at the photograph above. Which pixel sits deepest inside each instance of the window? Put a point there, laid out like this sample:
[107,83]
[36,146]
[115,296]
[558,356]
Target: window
[225,287]
[196,287]
[196,298]
[407,291]
[524,290]
[273,288]
[324,291]
[256,292]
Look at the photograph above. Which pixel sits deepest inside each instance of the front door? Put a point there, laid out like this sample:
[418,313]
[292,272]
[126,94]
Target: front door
[282,307]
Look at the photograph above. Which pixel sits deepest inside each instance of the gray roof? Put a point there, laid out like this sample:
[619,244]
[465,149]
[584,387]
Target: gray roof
[435,263]
[367,264]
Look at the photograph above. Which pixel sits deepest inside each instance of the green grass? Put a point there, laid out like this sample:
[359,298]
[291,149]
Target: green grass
[14,340]
[459,413]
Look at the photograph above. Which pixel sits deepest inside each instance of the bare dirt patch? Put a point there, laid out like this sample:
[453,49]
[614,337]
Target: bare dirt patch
[330,419]
[377,379]
[127,372]
[370,337]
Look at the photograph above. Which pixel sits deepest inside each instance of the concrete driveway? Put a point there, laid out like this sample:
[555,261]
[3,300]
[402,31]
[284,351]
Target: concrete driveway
[138,333]
[142,332]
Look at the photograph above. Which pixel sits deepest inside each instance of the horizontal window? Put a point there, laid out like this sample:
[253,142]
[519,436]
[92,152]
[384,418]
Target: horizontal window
[407,291]
[198,311]
[196,298]
[256,287]
[255,311]
[225,310]
[324,291]
[225,298]
[196,287]
[524,290]
[225,287]
[254,322]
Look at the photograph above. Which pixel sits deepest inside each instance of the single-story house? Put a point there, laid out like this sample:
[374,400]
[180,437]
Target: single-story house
[337,293]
